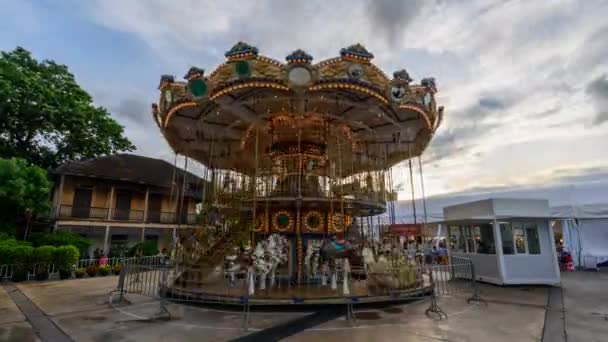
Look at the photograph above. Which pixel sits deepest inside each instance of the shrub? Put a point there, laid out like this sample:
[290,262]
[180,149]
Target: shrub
[42,259]
[16,255]
[80,272]
[61,239]
[21,257]
[116,269]
[105,270]
[44,255]
[8,241]
[148,248]
[92,270]
[65,257]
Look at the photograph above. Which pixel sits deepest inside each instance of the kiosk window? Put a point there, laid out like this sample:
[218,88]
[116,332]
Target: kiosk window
[506,234]
[532,237]
[520,238]
[484,237]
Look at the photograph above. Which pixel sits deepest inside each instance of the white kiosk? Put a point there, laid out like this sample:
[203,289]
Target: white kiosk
[509,240]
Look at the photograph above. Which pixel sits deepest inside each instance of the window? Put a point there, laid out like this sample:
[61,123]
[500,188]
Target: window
[520,238]
[532,237]
[506,235]
[470,242]
[484,237]
[456,239]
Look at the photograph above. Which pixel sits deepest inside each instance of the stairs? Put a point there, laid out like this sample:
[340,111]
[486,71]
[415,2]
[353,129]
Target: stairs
[209,268]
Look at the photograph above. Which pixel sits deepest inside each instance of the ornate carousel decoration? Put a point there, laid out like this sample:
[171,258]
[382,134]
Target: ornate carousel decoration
[300,150]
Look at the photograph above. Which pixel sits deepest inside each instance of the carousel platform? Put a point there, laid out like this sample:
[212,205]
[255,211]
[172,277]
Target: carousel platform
[314,294]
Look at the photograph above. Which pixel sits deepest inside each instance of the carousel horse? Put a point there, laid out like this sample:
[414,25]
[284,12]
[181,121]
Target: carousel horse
[383,276]
[336,254]
[266,257]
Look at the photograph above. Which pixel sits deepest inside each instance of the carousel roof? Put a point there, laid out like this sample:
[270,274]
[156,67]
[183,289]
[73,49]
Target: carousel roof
[211,117]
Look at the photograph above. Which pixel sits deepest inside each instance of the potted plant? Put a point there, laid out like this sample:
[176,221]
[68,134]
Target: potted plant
[92,270]
[116,269]
[105,270]
[80,272]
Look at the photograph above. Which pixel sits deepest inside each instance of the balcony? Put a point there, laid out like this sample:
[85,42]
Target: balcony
[68,211]
[121,215]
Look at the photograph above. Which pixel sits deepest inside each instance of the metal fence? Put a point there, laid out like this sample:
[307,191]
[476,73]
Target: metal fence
[342,286]
[7,271]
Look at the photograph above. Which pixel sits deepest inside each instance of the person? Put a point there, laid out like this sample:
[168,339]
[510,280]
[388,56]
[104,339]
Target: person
[435,255]
[103,260]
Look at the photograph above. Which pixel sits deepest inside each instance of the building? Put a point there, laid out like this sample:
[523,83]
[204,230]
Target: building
[510,241]
[120,200]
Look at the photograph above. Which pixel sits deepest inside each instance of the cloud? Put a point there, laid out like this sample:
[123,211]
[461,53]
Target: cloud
[598,91]
[509,72]
[393,17]
[135,110]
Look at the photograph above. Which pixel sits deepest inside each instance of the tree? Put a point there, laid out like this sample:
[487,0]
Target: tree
[46,118]
[24,192]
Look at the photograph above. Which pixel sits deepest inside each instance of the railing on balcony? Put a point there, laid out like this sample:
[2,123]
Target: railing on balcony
[128,215]
[68,211]
[169,217]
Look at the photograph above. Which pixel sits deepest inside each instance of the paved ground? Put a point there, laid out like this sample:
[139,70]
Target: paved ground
[586,302]
[13,325]
[80,309]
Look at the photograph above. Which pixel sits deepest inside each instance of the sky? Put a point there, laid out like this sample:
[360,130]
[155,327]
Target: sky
[524,83]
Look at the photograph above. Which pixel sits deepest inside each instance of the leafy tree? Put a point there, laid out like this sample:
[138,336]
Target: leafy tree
[47,118]
[24,192]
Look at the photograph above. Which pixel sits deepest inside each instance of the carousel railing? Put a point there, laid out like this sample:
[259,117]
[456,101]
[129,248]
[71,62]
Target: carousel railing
[342,285]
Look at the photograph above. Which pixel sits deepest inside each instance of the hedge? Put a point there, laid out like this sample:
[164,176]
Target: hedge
[63,257]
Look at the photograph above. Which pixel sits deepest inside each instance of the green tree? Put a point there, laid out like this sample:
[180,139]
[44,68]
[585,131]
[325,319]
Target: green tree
[47,118]
[24,192]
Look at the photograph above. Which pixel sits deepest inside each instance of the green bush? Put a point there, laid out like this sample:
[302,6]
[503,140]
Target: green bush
[105,270]
[149,248]
[65,257]
[16,255]
[116,269]
[9,241]
[80,272]
[58,239]
[42,258]
[44,255]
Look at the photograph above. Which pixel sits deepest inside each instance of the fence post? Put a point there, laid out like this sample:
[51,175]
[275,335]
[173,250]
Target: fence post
[434,308]
[475,298]
[163,313]
[246,309]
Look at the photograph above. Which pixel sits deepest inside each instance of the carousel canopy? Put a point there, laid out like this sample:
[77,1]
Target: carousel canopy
[252,108]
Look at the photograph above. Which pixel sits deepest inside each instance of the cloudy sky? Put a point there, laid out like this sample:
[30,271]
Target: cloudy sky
[524,83]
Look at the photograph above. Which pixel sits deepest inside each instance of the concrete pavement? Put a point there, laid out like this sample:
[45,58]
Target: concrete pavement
[80,309]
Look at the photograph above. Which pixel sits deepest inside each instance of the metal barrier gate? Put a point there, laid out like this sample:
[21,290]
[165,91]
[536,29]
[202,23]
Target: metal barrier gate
[425,281]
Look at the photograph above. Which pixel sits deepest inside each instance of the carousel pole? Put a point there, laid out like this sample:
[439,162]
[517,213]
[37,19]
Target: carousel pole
[299,205]
[422,189]
[341,184]
[412,182]
[255,184]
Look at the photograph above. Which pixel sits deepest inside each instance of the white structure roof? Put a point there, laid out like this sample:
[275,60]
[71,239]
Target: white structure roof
[497,208]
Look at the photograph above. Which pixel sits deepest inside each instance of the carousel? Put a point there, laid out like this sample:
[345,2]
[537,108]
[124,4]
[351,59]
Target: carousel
[298,157]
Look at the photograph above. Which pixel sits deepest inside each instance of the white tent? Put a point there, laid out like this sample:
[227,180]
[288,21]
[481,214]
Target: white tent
[585,232]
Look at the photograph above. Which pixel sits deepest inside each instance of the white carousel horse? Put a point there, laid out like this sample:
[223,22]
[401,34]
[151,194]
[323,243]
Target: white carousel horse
[268,255]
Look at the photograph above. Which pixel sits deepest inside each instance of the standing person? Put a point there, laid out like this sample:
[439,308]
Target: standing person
[103,260]
[435,254]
